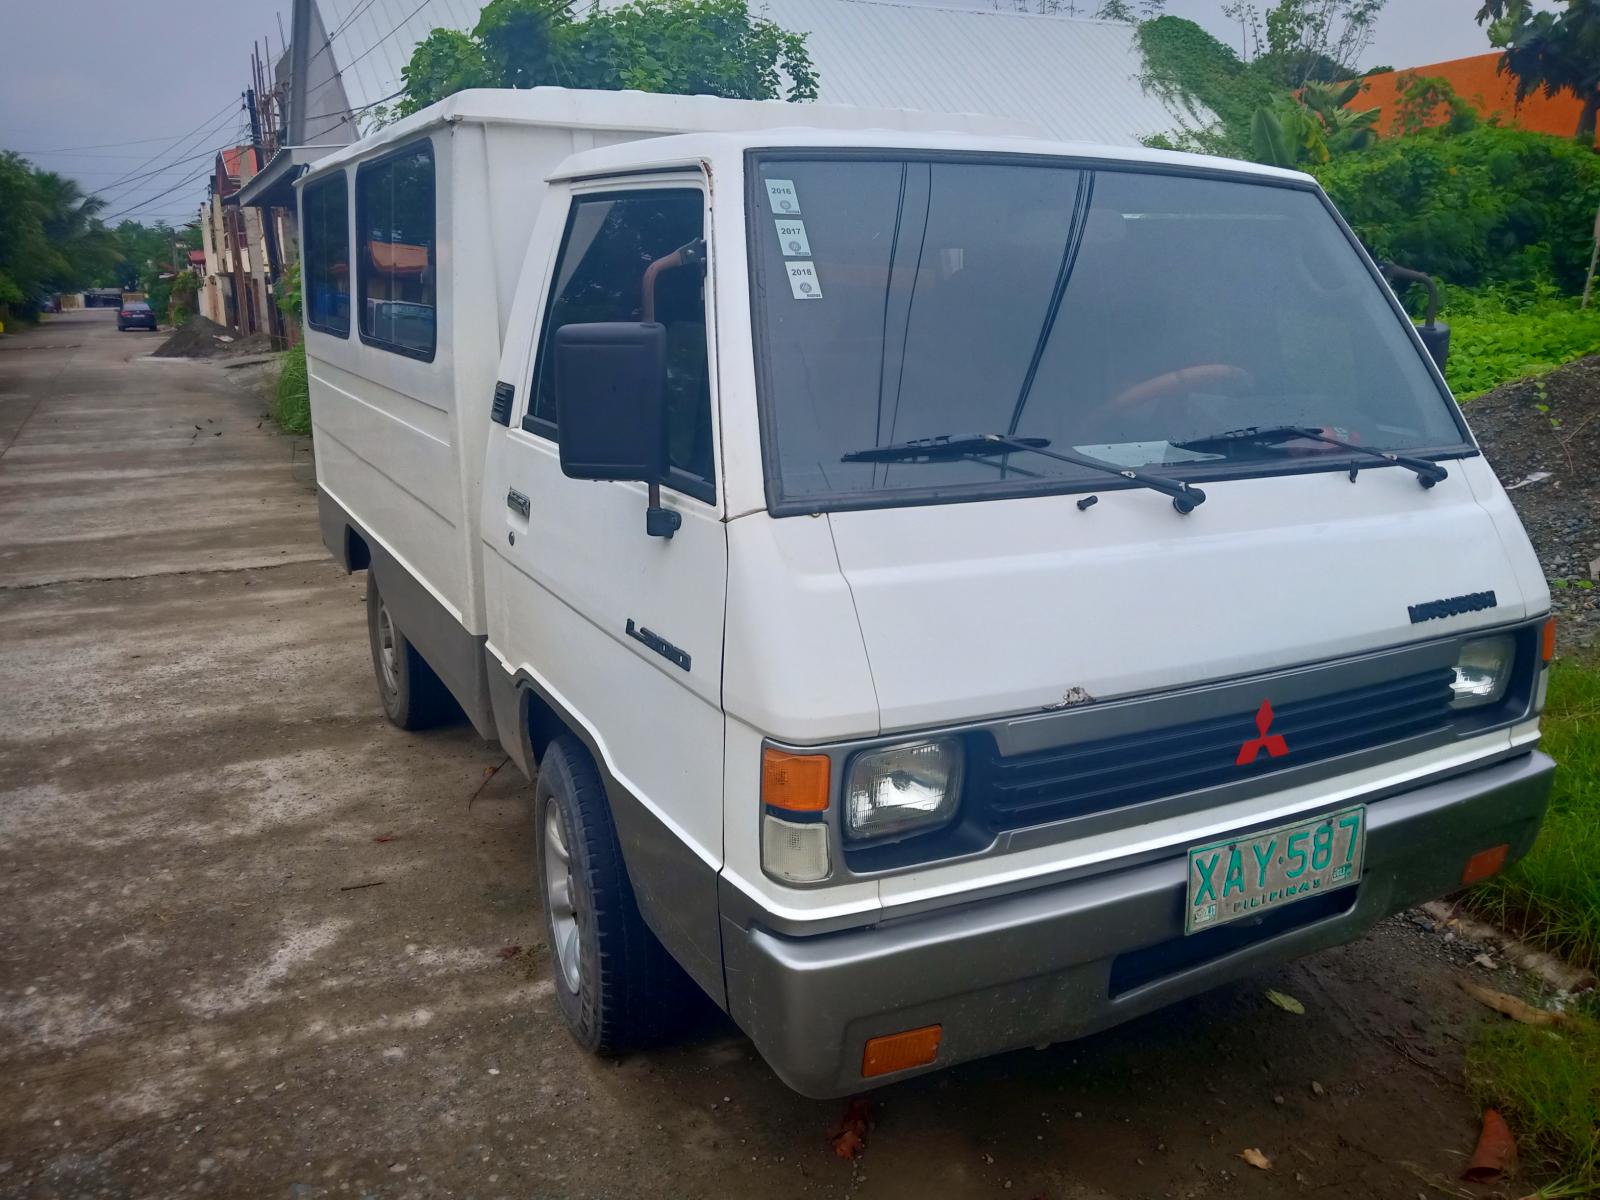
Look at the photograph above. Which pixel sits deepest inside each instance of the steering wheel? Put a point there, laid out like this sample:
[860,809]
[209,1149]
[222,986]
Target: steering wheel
[1202,375]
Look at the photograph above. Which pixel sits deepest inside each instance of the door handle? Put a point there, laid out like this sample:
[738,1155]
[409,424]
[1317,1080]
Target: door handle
[518,503]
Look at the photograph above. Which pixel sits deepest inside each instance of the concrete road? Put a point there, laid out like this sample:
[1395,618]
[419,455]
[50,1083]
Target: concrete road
[256,942]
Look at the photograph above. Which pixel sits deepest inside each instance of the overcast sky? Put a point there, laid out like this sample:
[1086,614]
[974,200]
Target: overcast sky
[142,87]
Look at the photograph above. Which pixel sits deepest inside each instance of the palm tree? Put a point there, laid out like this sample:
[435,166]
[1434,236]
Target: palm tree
[1551,52]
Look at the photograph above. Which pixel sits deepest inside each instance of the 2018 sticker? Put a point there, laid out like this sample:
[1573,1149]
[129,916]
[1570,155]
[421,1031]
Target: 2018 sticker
[803,280]
[782,196]
[792,237]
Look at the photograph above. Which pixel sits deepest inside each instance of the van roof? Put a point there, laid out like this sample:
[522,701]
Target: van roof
[689,150]
[696,128]
[652,113]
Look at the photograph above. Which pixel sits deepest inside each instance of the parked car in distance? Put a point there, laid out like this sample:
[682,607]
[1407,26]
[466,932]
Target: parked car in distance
[136,314]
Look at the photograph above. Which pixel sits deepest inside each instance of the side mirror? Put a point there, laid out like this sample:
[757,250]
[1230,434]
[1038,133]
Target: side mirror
[1435,333]
[610,384]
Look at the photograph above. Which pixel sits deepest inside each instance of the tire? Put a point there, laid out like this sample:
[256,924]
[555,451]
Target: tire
[411,694]
[618,988]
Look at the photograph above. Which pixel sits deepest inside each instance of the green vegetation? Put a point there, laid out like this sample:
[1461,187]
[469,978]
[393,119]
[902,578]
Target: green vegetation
[1546,1081]
[51,237]
[291,396]
[1553,895]
[1487,206]
[1551,52]
[1498,335]
[714,47]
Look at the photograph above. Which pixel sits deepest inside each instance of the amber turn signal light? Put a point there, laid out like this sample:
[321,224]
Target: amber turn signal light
[797,782]
[1484,864]
[1547,640]
[899,1051]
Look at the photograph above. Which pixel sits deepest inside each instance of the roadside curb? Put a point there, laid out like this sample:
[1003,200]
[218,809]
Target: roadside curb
[1556,972]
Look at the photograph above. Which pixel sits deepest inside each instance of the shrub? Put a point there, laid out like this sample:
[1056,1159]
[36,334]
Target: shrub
[1487,206]
[1499,335]
[291,397]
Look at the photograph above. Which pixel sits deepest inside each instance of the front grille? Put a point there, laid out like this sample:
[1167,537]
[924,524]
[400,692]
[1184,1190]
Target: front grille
[1089,777]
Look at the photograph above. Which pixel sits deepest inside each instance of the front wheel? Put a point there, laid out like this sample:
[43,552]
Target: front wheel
[617,986]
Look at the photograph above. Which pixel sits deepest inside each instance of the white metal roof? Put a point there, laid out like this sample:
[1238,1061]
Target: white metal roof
[1077,79]
[715,148]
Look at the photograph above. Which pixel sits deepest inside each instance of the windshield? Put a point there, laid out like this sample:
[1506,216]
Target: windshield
[1116,314]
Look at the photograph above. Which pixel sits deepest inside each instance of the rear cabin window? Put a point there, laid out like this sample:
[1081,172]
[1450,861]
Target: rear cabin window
[397,253]
[610,242]
[327,283]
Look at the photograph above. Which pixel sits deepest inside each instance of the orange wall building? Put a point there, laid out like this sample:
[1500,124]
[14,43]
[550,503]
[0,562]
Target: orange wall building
[1478,81]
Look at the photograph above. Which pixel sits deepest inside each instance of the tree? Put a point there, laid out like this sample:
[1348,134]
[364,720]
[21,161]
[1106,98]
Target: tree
[1550,52]
[1311,127]
[1116,10]
[710,47]
[51,236]
[1320,39]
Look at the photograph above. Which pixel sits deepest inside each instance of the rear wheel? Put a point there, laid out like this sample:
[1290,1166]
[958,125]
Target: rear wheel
[412,695]
[617,986]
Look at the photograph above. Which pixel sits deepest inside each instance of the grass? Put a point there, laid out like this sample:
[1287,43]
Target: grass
[1546,1082]
[1497,336]
[291,397]
[1552,897]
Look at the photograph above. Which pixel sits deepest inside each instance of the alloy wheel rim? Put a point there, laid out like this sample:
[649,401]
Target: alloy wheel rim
[560,899]
[386,649]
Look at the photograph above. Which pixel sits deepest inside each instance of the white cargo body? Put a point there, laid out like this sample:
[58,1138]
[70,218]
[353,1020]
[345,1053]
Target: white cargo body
[399,436]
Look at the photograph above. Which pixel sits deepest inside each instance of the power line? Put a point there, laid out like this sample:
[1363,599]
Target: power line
[209,121]
[397,26]
[100,146]
[201,174]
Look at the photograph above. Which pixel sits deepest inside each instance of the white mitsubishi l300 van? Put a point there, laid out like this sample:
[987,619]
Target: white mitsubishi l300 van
[955,592]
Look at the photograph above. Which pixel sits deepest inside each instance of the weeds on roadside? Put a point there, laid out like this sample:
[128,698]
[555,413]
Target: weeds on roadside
[1546,1080]
[291,397]
[1552,897]
[1500,334]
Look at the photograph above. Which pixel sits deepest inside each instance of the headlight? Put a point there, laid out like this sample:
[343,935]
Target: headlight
[1482,672]
[903,789]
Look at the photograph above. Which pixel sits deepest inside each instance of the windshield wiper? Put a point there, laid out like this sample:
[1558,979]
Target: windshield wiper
[946,447]
[1427,472]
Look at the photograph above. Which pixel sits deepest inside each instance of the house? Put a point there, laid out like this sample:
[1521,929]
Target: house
[242,249]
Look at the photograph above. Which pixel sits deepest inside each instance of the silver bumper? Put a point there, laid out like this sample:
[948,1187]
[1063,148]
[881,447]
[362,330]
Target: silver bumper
[1066,960]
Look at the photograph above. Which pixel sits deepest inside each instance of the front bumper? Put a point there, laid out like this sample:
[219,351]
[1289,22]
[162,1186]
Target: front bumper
[1066,960]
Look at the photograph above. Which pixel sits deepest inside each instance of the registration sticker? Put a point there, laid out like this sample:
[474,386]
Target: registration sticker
[792,237]
[803,280]
[784,199]
[1246,877]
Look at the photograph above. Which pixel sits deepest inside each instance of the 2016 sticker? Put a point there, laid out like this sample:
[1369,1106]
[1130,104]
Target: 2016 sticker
[782,196]
[792,237]
[803,281]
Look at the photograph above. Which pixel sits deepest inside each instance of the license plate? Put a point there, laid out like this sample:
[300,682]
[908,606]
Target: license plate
[1248,877]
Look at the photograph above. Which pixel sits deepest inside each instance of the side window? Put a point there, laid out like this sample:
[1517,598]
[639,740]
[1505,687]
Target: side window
[395,252]
[610,241]
[327,282]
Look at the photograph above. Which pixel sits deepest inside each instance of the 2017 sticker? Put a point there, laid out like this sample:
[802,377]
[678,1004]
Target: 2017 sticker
[792,237]
[782,196]
[803,281]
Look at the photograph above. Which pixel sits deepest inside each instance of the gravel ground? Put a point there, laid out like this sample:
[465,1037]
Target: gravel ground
[1550,428]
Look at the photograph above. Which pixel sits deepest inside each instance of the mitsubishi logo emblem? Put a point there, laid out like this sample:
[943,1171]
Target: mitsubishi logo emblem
[1272,743]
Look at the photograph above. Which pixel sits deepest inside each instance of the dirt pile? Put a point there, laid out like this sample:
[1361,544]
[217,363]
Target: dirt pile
[202,338]
[1543,438]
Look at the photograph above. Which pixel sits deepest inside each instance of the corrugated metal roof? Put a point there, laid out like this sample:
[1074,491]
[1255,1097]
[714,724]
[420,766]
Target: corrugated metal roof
[1077,79]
